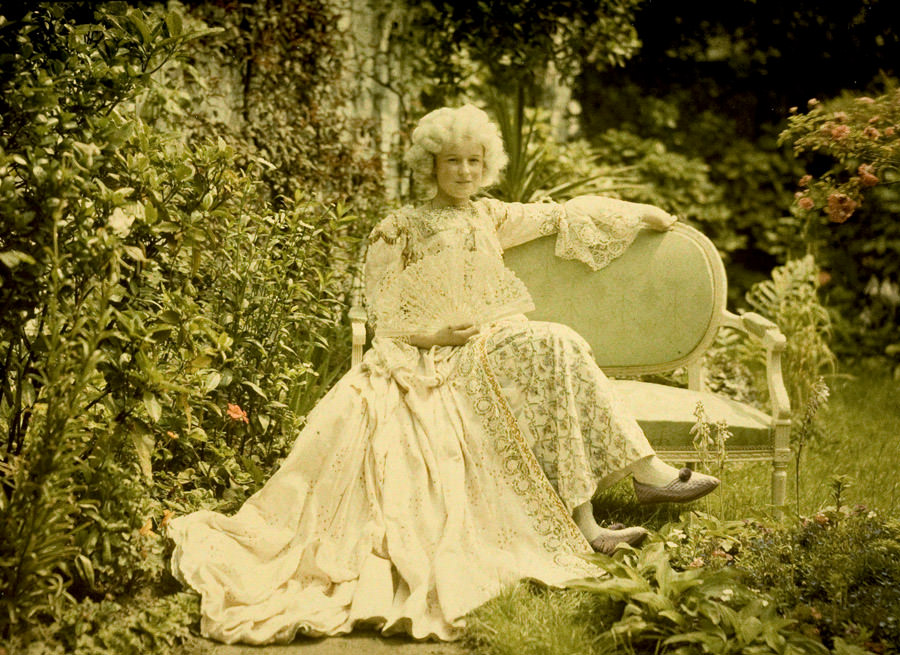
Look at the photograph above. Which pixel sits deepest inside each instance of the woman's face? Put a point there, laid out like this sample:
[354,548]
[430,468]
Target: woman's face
[459,168]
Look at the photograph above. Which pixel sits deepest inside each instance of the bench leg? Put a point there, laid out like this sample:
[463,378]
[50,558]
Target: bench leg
[780,461]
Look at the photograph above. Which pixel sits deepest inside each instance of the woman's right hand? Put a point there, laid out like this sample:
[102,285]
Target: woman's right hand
[452,335]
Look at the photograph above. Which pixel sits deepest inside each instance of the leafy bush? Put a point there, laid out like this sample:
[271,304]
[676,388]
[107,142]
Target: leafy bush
[790,299]
[648,602]
[837,574]
[272,83]
[164,328]
[848,201]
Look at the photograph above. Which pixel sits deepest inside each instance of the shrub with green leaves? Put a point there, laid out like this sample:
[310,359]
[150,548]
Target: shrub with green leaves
[790,299]
[163,329]
[837,574]
[848,202]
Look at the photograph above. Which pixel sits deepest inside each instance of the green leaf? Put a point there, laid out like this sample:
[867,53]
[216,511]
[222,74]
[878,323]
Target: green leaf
[255,472]
[212,380]
[143,448]
[12,258]
[173,22]
[259,392]
[154,409]
[138,22]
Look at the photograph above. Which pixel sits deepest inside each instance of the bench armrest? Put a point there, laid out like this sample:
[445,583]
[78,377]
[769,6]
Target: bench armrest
[774,342]
[358,318]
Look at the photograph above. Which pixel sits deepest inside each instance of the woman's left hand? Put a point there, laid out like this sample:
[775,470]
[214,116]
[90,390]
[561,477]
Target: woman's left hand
[657,219]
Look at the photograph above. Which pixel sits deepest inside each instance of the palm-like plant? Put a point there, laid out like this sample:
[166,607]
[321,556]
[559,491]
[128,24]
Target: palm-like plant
[535,169]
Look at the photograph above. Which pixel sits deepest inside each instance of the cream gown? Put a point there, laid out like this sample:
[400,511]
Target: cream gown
[426,480]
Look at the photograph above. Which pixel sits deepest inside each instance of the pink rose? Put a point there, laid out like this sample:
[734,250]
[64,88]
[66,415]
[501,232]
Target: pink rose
[867,176]
[871,132]
[839,132]
[806,203]
[805,180]
[840,207]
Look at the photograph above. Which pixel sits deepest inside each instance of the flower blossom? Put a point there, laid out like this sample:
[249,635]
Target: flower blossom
[839,132]
[806,203]
[840,115]
[889,131]
[805,180]
[840,207]
[871,132]
[867,175]
[824,277]
[147,529]
[235,413]
[167,516]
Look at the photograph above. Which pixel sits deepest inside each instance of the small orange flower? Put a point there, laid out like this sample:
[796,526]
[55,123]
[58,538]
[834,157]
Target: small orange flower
[805,180]
[171,434]
[806,203]
[696,563]
[824,278]
[235,413]
[871,132]
[147,529]
[167,516]
[821,519]
[889,131]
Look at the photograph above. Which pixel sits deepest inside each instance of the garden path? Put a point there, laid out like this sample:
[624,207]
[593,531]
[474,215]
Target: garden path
[355,644]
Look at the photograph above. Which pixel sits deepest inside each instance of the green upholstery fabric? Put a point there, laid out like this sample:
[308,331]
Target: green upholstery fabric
[652,305]
[666,415]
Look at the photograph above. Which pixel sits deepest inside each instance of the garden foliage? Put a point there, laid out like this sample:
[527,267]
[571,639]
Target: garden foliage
[164,327]
[847,202]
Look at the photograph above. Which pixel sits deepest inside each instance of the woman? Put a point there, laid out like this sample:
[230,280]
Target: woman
[449,463]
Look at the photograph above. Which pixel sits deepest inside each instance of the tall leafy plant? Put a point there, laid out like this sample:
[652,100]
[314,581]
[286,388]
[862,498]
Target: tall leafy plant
[539,167]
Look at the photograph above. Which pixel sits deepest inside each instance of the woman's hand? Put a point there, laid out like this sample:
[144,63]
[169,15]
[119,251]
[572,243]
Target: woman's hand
[657,219]
[452,335]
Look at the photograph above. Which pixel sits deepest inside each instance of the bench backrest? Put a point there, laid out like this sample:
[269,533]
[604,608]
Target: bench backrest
[655,308]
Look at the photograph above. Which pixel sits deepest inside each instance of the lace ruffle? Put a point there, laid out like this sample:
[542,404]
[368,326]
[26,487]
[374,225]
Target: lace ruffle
[595,230]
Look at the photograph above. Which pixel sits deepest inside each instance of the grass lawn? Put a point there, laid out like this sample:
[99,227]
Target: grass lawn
[860,440]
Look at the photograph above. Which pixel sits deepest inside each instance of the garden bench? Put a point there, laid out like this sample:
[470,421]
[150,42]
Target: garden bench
[657,308]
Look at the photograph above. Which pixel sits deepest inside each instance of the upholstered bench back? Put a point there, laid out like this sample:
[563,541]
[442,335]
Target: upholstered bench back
[655,308]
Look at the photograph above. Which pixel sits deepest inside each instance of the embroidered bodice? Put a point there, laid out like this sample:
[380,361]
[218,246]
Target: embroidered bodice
[592,229]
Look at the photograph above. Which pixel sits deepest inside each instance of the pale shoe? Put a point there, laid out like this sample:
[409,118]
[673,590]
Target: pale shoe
[689,485]
[606,543]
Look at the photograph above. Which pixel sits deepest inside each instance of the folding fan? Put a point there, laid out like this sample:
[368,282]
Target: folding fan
[453,287]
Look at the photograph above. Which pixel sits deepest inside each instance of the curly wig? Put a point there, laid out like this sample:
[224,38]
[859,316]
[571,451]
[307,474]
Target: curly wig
[448,126]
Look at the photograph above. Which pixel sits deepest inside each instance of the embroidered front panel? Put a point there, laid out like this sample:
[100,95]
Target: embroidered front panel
[565,405]
[550,517]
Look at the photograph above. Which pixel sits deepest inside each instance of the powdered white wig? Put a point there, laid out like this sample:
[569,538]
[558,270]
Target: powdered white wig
[449,126]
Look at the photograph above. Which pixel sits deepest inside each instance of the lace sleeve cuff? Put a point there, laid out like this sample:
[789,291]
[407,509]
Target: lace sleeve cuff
[596,230]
